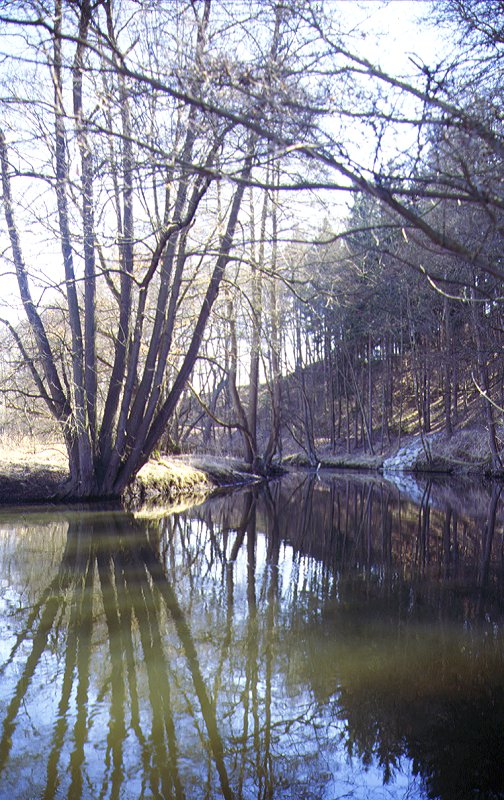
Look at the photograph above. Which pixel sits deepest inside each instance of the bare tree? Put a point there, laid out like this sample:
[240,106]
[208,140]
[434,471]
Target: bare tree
[131,172]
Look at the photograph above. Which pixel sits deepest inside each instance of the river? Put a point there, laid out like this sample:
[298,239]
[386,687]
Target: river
[325,636]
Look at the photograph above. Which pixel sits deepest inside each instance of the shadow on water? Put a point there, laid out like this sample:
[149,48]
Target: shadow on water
[310,639]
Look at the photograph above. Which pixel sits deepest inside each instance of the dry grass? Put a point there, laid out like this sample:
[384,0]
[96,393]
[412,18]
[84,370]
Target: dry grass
[357,460]
[30,456]
[363,461]
[31,472]
[222,471]
[467,449]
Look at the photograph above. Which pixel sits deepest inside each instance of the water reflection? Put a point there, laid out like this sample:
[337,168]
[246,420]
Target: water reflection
[312,639]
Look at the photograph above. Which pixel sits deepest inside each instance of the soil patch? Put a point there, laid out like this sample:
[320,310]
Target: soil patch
[31,475]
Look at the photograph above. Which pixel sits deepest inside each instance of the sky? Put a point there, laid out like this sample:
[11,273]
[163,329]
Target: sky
[394,30]
[397,37]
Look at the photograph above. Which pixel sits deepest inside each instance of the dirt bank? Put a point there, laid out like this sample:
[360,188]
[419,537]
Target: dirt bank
[466,452]
[31,474]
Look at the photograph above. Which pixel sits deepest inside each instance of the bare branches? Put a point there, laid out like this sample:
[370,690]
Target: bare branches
[61,405]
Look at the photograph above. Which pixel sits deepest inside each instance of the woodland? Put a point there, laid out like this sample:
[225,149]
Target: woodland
[246,228]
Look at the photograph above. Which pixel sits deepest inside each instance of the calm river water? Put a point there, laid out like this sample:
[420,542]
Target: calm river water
[325,637]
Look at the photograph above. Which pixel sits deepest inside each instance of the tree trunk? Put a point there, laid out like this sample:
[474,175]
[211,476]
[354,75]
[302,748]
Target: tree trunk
[243,426]
[81,453]
[274,444]
[484,387]
[145,445]
[447,369]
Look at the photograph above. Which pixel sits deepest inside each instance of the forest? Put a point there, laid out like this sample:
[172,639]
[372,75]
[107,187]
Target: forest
[248,228]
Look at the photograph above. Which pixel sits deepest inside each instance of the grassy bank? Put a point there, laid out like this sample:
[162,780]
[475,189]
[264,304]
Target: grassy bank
[170,478]
[34,473]
[31,473]
[466,452]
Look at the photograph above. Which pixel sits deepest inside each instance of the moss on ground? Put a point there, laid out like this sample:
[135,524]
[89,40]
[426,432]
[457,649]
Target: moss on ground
[165,480]
[184,481]
[357,460]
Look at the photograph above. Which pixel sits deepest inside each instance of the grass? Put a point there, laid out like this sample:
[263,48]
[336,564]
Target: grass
[163,479]
[27,455]
[355,460]
[184,480]
[32,472]
[467,451]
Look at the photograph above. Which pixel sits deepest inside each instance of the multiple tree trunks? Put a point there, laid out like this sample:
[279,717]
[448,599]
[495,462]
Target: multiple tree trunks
[113,407]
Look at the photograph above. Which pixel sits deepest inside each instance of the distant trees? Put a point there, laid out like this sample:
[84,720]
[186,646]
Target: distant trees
[403,308]
[444,196]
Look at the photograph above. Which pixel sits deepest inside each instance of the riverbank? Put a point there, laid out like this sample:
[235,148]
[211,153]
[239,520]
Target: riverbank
[31,474]
[170,478]
[466,452]
[35,474]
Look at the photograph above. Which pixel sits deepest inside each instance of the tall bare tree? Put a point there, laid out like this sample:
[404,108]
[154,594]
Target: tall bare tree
[131,170]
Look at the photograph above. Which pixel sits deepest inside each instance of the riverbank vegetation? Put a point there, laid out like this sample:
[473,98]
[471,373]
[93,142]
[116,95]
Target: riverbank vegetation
[234,230]
[33,472]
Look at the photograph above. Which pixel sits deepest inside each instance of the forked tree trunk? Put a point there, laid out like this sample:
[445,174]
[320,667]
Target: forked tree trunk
[110,434]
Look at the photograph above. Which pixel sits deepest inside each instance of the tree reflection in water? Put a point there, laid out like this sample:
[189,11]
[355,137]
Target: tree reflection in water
[309,639]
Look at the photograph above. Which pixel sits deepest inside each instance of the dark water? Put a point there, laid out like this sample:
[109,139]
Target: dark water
[320,638]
